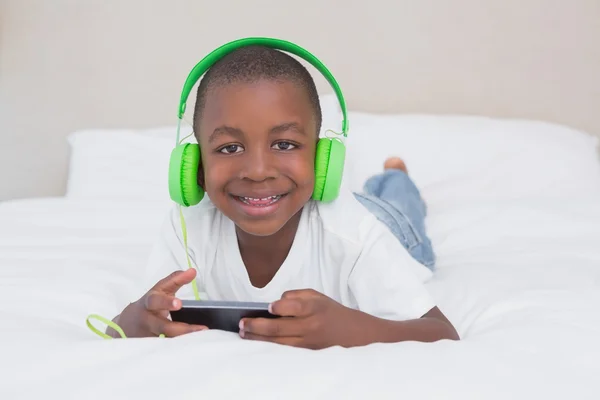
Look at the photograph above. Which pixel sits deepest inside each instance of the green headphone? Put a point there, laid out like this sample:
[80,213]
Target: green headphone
[185,157]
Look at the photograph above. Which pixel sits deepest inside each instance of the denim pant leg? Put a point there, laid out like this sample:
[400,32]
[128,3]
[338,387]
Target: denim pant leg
[395,200]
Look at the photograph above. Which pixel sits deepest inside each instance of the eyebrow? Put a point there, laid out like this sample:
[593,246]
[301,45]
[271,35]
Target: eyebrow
[238,133]
[225,130]
[288,126]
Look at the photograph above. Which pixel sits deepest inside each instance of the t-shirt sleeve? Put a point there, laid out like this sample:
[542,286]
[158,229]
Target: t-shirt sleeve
[168,255]
[387,282]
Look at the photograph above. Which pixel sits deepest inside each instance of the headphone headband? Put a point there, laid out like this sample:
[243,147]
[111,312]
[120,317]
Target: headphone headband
[278,44]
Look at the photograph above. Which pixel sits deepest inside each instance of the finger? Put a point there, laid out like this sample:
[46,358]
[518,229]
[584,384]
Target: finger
[299,293]
[174,329]
[159,301]
[293,307]
[285,340]
[279,327]
[159,325]
[172,283]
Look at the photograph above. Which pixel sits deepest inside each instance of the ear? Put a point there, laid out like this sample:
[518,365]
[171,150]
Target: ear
[317,145]
[201,180]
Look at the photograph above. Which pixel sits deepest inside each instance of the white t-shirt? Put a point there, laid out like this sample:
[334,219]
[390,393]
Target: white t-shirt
[340,250]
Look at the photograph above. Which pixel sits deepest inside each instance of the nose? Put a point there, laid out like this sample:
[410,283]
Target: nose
[258,166]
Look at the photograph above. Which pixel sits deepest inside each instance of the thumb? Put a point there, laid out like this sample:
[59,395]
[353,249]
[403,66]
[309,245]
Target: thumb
[172,283]
[300,294]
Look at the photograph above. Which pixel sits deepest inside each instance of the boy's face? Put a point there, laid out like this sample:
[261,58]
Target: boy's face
[258,144]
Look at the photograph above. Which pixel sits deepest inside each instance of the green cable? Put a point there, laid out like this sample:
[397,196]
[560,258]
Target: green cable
[187,253]
[107,322]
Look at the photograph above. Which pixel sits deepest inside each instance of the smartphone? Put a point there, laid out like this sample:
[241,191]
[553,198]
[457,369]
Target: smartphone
[221,315]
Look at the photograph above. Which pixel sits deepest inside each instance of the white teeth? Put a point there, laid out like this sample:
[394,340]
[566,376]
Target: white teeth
[247,200]
[261,199]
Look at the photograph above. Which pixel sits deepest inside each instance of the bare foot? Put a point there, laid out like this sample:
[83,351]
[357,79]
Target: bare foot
[395,163]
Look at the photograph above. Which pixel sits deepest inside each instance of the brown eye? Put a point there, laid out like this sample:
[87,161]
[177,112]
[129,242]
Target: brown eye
[284,146]
[232,148]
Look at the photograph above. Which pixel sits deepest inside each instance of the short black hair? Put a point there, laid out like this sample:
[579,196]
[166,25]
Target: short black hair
[251,64]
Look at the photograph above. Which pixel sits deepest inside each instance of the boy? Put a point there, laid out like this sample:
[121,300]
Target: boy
[338,273]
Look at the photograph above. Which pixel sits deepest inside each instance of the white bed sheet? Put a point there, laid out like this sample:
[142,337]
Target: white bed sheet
[514,215]
[520,278]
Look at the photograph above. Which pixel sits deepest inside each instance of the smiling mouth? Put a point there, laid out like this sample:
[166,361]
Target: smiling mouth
[260,202]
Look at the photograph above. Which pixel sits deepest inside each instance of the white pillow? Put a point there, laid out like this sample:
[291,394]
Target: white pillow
[451,158]
[119,164]
[461,158]
[133,165]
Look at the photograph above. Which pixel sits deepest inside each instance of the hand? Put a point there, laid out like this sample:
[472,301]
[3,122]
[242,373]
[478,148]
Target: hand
[148,316]
[308,319]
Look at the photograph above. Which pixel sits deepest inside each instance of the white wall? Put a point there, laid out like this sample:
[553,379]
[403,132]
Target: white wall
[71,64]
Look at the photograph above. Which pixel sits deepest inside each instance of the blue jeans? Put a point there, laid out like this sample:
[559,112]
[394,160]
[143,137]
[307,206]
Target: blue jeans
[395,200]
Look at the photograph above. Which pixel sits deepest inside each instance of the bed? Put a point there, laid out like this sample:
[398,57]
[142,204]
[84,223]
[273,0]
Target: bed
[514,216]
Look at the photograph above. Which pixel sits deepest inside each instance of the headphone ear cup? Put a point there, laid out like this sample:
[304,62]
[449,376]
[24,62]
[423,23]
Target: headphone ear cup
[321,165]
[329,169]
[183,175]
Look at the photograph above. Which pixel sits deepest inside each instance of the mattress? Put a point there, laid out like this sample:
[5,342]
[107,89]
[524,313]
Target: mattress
[518,248]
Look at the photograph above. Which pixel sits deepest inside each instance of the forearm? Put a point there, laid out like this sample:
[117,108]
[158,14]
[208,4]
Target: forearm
[370,329]
[420,330]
